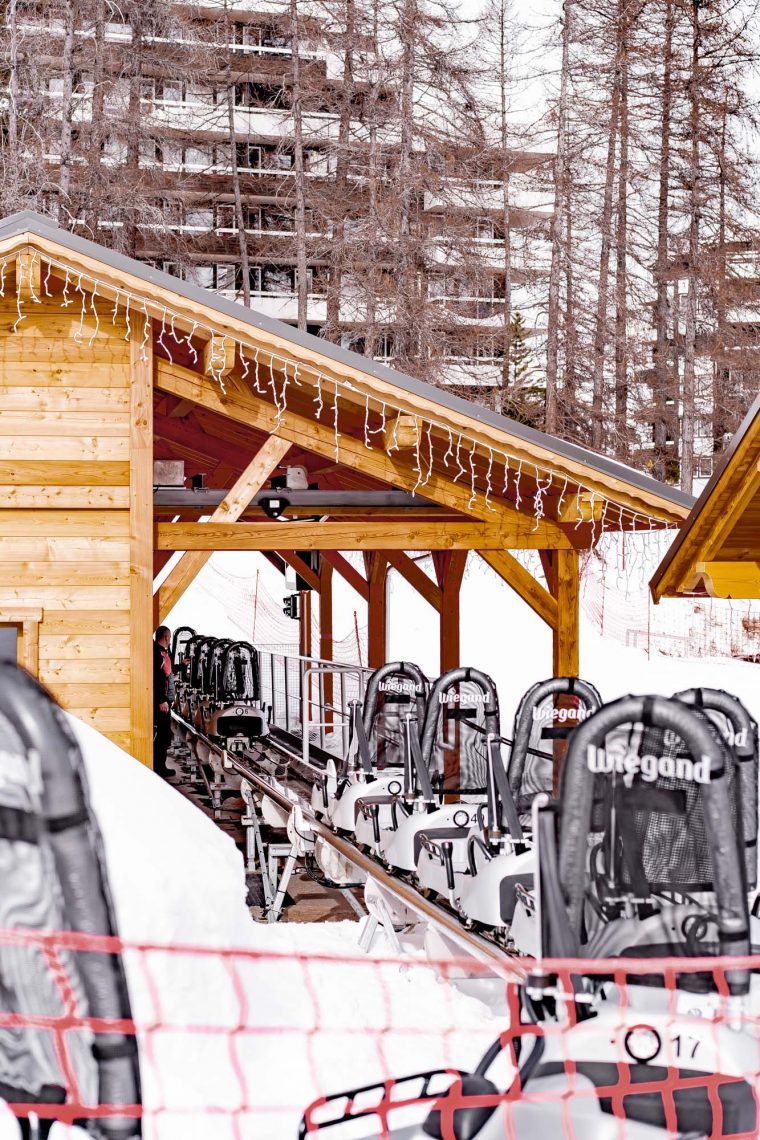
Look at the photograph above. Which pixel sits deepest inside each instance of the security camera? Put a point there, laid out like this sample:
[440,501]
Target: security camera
[273,505]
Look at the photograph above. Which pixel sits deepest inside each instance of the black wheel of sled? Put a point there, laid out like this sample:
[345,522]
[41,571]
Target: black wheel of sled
[255,891]
[255,898]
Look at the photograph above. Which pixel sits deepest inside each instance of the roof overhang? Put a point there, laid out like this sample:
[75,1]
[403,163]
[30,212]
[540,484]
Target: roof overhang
[717,550]
[474,448]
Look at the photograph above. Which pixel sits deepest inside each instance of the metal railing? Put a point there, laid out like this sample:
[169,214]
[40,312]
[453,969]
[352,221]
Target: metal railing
[310,698]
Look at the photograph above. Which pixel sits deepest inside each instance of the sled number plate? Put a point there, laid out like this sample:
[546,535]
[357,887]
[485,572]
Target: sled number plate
[644,1044]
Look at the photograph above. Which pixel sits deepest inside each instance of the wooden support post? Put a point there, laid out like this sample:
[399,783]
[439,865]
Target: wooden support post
[562,574]
[141,543]
[326,647]
[377,610]
[566,639]
[450,652]
[304,623]
[229,510]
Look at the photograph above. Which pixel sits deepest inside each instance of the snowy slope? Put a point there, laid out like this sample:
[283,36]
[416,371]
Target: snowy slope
[302,1027]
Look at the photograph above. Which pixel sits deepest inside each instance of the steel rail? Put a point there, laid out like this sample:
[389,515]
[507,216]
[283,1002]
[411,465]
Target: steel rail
[474,944]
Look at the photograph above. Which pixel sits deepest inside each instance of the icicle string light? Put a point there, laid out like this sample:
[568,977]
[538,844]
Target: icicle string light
[473,483]
[428,427]
[94,307]
[417,456]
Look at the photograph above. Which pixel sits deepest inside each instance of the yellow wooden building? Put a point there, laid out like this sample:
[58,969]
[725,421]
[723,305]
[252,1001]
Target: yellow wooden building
[717,549]
[107,365]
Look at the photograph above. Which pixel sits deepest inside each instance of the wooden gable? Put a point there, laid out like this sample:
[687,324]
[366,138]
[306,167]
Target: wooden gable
[717,551]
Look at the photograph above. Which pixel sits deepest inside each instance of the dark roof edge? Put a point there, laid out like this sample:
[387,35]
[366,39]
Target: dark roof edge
[28,220]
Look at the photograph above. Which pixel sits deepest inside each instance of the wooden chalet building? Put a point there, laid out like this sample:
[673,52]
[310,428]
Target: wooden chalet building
[107,364]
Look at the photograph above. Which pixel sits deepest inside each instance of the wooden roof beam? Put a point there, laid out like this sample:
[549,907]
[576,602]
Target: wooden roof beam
[726,579]
[523,583]
[210,536]
[416,577]
[348,572]
[301,568]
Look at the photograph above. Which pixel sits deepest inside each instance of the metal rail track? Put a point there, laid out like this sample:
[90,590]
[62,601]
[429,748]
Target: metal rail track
[248,766]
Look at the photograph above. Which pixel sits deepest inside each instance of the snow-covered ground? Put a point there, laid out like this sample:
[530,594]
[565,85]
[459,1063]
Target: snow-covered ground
[237,1046]
[300,1011]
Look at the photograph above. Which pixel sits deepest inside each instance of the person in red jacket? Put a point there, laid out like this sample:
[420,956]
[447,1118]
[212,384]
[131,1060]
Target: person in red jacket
[163,698]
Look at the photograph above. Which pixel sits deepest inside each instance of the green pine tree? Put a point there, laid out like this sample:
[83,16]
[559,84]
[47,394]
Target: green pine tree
[522,399]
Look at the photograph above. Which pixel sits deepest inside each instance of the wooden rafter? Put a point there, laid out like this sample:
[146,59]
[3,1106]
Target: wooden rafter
[523,583]
[348,572]
[301,568]
[416,577]
[195,558]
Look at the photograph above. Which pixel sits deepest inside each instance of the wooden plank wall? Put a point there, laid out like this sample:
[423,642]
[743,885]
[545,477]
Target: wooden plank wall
[65,503]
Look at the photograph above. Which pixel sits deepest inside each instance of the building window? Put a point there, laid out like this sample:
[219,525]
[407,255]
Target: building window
[385,348]
[280,160]
[202,275]
[260,95]
[276,219]
[114,151]
[277,279]
[248,157]
[225,218]
[252,218]
[199,218]
[198,157]
[225,276]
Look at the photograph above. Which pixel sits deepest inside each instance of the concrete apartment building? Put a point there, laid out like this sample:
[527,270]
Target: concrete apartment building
[232,69]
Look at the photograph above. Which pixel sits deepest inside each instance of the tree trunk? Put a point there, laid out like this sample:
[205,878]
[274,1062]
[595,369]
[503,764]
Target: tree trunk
[338,235]
[569,387]
[302,282]
[97,120]
[64,172]
[558,227]
[134,130]
[405,306]
[663,379]
[621,262]
[506,213]
[239,214]
[723,399]
[371,289]
[689,358]
[600,328]
[13,91]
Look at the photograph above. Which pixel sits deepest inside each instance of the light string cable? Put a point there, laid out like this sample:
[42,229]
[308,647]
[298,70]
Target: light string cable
[426,426]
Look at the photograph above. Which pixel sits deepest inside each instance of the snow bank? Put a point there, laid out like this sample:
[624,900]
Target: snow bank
[299,1013]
